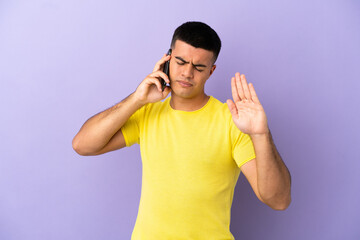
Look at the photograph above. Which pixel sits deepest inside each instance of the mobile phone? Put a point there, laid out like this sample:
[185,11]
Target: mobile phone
[166,71]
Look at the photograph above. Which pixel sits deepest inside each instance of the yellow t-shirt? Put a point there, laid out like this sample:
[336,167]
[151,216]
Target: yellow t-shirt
[191,163]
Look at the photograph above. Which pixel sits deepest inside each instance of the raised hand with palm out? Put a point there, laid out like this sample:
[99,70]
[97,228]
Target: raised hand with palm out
[246,110]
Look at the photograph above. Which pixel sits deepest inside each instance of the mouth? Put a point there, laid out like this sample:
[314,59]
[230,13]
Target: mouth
[184,83]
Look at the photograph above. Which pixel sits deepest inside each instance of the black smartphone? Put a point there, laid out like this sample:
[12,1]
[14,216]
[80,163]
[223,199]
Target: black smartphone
[166,71]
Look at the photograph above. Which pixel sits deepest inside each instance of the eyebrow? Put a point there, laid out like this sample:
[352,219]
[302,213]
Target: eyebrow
[195,65]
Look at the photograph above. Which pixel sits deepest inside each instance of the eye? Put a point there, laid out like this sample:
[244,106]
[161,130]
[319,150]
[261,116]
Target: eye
[199,70]
[180,63]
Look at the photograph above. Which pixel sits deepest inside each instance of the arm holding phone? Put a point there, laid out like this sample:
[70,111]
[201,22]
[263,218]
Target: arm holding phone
[101,133]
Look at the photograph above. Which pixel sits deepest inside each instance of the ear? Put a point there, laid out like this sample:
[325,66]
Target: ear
[212,69]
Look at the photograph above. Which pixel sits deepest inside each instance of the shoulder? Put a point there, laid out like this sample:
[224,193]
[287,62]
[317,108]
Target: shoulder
[156,108]
[223,113]
[160,104]
[220,114]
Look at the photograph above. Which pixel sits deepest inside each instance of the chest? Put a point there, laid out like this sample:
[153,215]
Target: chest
[186,142]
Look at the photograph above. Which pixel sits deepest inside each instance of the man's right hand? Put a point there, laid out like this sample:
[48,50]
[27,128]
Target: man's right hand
[150,89]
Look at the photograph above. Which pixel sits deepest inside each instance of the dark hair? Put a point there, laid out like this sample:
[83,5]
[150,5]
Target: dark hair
[198,35]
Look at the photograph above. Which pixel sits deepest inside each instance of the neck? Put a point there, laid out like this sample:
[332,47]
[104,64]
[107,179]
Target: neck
[188,104]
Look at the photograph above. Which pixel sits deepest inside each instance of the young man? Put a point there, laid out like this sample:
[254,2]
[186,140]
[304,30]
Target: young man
[193,147]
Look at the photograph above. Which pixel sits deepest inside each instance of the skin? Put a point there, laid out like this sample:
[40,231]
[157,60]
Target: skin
[190,68]
[267,173]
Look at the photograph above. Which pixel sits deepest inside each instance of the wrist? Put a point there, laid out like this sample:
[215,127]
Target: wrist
[136,101]
[264,135]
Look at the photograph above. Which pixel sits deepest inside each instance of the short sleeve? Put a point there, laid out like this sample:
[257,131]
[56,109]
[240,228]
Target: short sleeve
[131,128]
[242,146]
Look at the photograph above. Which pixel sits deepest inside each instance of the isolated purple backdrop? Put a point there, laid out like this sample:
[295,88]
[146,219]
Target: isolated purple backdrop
[61,62]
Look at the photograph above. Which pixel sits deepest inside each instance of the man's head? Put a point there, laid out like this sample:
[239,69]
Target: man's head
[198,35]
[195,47]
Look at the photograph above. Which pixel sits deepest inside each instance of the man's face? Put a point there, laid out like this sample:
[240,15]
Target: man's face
[190,67]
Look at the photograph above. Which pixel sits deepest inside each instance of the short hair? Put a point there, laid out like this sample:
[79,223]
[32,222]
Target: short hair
[198,35]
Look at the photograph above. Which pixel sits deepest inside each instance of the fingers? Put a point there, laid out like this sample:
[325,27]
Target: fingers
[245,87]
[160,63]
[239,87]
[234,91]
[245,91]
[154,80]
[160,74]
[253,94]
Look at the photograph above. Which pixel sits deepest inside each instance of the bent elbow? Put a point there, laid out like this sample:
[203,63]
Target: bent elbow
[83,149]
[278,202]
[282,205]
[77,147]
[80,152]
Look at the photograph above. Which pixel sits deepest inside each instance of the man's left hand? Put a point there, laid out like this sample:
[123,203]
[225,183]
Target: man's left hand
[246,110]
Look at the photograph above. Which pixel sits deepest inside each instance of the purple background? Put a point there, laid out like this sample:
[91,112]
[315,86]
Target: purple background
[61,62]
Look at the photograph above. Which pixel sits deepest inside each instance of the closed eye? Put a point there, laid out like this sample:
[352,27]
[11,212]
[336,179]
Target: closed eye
[183,62]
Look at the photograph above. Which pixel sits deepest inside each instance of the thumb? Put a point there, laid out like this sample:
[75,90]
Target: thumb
[232,108]
[166,91]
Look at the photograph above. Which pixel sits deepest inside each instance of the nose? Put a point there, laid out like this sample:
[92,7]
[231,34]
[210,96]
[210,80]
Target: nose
[188,71]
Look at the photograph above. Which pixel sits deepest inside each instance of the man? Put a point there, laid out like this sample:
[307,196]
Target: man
[193,147]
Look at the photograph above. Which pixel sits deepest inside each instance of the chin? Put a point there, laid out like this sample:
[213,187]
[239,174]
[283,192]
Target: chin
[183,94]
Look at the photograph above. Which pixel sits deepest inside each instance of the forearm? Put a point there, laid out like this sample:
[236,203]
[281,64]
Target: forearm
[274,181]
[97,131]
